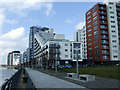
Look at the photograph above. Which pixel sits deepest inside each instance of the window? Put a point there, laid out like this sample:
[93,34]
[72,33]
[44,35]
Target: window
[111,12]
[88,17]
[89,48]
[89,21]
[111,16]
[102,17]
[112,26]
[96,52]
[89,26]
[102,12]
[104,36]
[105,57]
[89,43]
[104,47]
[95,23]
[90,57]
[66,56]
[110,3]
[95,13]
[114,46]
[89,30]
[95,18]
[89,34]
[96,32]
[96,42]
[112,21]
[95,28]
[110,7]
[66,44]
[90,39]
[97,57]
[113,40]
[90,53]
[103,26]
[66,50]
[113,36]
[96,47]
[104,41]
[114,51]
[104,52]
[113,31]
[96,37]
[88,13]
[94,9]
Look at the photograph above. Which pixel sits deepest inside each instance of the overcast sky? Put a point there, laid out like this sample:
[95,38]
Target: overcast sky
[17,17]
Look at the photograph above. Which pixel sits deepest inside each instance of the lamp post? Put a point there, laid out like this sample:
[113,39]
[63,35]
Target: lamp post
[77,68]
[56,61]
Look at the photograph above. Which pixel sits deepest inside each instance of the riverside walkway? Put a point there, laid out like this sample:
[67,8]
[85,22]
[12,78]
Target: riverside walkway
[42,80]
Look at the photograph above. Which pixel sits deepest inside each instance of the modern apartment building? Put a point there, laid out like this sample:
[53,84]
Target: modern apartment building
[97,33]
[80,36]
[14,58]
[49,46]
[113,15]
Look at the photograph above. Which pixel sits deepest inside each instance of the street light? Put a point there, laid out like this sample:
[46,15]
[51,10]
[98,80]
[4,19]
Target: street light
[77,68]
[56,61]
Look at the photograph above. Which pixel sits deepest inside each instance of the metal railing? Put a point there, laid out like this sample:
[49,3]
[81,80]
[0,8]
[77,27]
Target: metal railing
[11,83]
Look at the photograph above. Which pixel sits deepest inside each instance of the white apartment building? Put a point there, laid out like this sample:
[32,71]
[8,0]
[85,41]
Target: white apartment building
[14,58]
[49,46]
[80,36]
[113,13]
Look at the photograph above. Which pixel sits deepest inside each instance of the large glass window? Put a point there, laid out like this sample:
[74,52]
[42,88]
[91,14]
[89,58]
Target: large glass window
[95,28]
[94,9]
[103,26]
[95,18]
[89,25]
[88,17]
[105,57]
[89,34]
[96,42]
[96,37]
[95,13]
[95,23]
[97,57]
[105,52]
[96,32]
[89,30]
[96,47]
[97,53]
[104,41]
[104,47]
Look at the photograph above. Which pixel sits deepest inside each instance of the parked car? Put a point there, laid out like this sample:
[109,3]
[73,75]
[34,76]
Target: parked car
[61,66]
[68,66]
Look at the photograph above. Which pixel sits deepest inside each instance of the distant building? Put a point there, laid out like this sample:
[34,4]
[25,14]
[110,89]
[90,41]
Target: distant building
[47,47]
[14,58]
[80,36]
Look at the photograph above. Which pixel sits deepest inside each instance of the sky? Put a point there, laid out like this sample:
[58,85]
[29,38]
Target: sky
[16,18]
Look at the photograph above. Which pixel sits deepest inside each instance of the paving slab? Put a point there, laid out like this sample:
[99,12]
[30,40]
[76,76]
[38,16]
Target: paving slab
[42,80]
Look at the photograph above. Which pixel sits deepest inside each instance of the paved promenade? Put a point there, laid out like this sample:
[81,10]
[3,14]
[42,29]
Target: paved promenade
[42,80]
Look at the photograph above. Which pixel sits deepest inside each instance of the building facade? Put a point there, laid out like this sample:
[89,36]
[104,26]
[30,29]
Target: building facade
[80,36]
[14,58]
[97,33]
[49,46]
[113,10]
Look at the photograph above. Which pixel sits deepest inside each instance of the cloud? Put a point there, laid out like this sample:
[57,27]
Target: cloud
[13,40]
[80,25]
[68,21]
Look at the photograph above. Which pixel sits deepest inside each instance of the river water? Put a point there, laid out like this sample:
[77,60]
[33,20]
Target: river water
[6,74]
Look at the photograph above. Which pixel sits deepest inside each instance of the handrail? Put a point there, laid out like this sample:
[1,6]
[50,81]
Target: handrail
[11,83]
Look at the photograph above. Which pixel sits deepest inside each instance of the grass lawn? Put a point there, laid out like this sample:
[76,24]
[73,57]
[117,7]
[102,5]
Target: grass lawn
[101,71]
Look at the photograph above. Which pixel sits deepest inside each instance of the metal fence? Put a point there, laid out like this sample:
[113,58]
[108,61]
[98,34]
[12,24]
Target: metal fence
[10,84]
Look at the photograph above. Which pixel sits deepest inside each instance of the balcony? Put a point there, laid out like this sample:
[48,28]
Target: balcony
[118,9]
[104,32]
[102,12]
[103,8]
[54,46]
[118,5]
